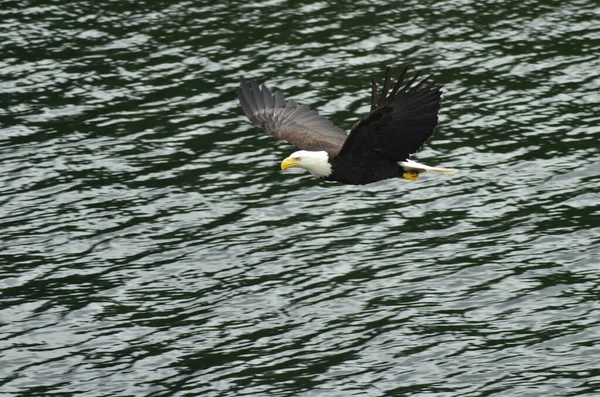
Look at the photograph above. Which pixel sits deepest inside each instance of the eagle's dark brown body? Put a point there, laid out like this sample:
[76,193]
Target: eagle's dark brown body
[362,169]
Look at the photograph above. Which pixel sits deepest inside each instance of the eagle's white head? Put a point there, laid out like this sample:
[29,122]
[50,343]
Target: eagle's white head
[317,163]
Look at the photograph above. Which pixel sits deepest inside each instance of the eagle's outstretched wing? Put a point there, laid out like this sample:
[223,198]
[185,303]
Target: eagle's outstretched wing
[289,121]
[399,123]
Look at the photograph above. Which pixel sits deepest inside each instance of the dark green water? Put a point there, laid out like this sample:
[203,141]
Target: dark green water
[150,246]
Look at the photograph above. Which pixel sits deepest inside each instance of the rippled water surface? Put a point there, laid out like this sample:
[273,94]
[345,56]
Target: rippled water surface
[150,246]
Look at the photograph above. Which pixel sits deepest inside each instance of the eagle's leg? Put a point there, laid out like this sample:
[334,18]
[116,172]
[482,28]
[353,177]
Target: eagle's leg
[410,175]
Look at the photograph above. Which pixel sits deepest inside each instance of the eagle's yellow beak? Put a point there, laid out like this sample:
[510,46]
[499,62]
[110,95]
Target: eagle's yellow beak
[289,162]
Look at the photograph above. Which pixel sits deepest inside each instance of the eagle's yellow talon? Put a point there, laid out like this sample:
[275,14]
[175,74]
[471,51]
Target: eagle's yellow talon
[410,175]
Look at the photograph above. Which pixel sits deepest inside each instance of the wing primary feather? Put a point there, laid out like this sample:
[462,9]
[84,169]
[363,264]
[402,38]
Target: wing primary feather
[279,104]
[373,94]
[279,100]
[246,108]
[267,98]
[294,107]
[410,83]
[260,103]
[399,82]
[247,95]
[418,86]
[386,86]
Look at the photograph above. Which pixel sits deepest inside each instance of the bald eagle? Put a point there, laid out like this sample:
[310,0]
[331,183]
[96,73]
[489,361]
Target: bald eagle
[379,144]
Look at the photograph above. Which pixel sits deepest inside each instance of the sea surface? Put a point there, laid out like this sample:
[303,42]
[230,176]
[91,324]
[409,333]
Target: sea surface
[151,246]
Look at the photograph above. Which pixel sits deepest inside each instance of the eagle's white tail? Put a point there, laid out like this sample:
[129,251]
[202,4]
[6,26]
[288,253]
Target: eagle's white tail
[413,165]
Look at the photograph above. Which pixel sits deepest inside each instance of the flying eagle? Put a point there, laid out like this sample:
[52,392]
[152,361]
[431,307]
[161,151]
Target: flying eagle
[379,144]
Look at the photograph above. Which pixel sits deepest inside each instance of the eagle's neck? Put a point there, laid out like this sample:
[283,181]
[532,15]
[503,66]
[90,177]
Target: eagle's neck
[317,163]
